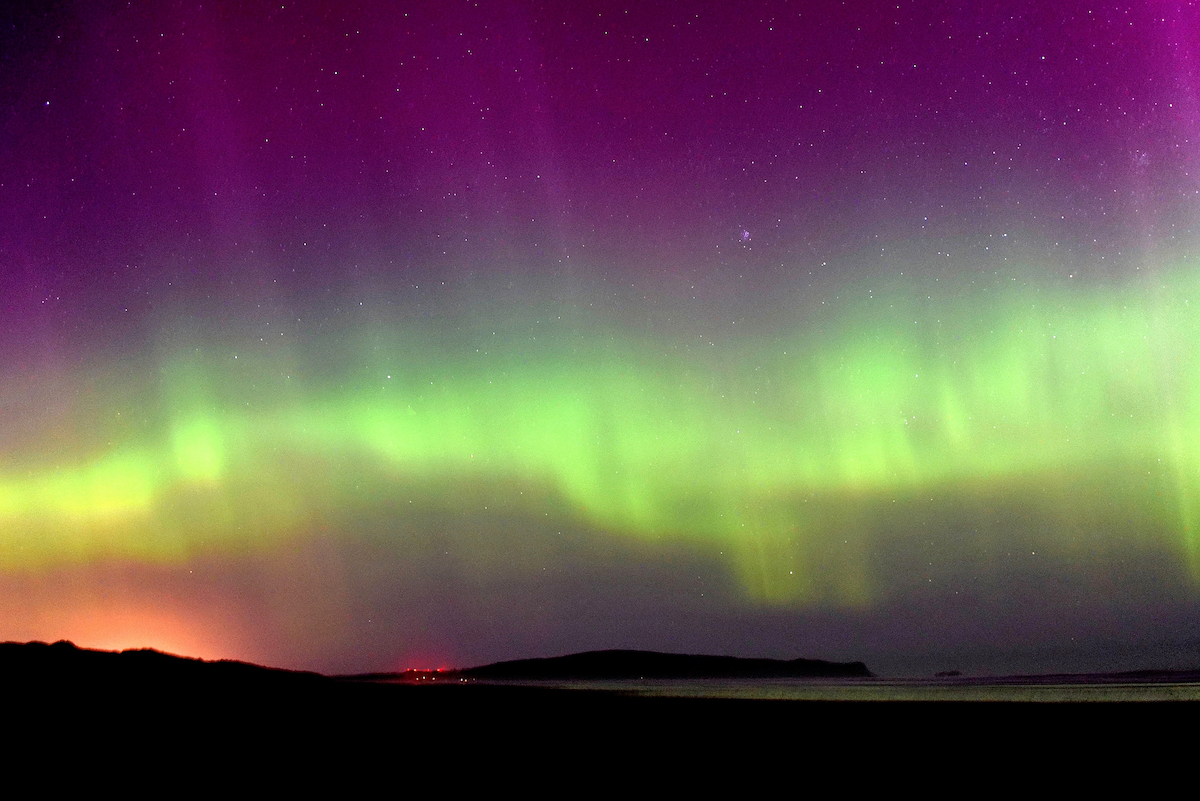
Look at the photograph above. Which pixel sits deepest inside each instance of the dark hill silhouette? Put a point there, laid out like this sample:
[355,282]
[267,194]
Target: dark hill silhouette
[616,665]
[66,665]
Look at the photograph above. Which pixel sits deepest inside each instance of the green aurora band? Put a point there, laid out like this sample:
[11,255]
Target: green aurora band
[996,415]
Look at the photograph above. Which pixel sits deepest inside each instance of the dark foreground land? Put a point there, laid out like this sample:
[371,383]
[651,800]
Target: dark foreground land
[60,698]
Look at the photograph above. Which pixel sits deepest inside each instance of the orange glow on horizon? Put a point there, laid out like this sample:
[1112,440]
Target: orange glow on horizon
[129,621]
[124,627]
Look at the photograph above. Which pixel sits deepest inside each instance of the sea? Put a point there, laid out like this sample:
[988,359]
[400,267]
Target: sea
[1047,689]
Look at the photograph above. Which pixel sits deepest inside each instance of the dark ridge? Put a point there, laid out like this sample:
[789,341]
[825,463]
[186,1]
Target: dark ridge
[655,665]
[71,668]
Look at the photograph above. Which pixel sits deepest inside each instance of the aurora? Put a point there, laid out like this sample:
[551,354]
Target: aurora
[1012,395]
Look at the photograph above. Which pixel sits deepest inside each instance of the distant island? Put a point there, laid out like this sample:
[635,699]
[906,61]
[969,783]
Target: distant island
[625,665]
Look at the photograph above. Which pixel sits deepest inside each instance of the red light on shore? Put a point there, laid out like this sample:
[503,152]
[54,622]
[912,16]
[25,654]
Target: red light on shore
[423,663]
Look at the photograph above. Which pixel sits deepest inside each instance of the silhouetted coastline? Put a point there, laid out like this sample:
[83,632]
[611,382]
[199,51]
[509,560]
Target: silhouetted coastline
[625,664]
[179,707]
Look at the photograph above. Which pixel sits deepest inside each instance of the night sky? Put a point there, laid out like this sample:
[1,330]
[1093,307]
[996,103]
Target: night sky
[365,336]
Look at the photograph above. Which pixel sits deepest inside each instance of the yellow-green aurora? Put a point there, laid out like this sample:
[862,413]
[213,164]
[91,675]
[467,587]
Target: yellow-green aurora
[1027,412]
